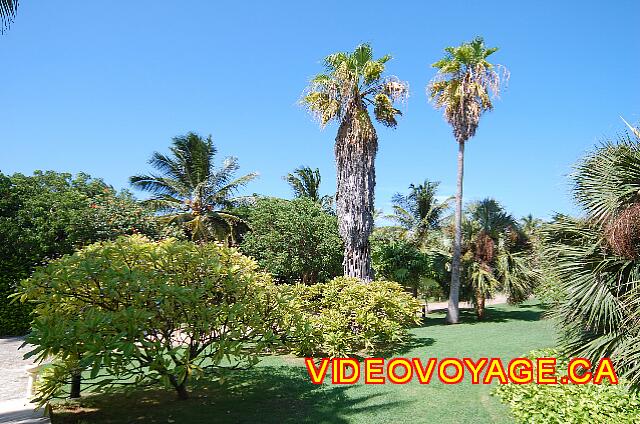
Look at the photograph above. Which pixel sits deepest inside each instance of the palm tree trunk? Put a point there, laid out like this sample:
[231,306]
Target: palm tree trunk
[355,150]
[453,312]
[480,305]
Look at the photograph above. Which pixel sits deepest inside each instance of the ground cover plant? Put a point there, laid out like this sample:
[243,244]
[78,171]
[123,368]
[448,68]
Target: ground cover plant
[569,403]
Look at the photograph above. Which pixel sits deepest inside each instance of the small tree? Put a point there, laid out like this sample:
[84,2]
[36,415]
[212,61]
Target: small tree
[295,240]
[138,311]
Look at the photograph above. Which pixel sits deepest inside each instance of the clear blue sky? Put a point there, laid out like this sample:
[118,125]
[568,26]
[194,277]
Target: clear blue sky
[97,87]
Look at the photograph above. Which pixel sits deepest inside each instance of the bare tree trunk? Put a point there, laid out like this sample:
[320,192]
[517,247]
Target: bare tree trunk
[355,150]
[181,388]
[453,312]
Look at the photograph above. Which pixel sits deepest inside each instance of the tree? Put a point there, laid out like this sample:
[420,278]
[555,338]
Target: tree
[191,191]
[353,82]
[295,240]
[495,255]
[49,214]
[8,9]
[419,212]
[463,87]
[133,311]
[400,261]
[305,182]
[595,260]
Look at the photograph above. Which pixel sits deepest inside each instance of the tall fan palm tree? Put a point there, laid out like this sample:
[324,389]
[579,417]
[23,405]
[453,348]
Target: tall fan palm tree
[191,191]
[353,82]
[305,182]
[419,212]
[464,87]
[8,9]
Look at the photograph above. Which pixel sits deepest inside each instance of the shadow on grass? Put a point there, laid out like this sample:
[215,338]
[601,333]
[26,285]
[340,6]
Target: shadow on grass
[524,312]
[260,395]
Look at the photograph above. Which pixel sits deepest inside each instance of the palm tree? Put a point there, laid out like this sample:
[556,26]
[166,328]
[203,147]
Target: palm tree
[353,82]
[192,191]
[8,9]
[419,212]
[463,87]
[305,182]
[595,260]
[494,254]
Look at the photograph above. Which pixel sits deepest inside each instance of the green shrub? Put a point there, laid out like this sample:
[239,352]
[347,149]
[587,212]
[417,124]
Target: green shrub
[49,214]
[295,240]
[569,403]
[133,310]
[345,316]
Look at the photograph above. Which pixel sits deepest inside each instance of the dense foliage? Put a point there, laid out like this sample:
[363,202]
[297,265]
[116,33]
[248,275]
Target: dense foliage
[595,261]
[569,403]
[133,310]
[50,214]
[401,261]
[496,255]
[345,317]
[295,240]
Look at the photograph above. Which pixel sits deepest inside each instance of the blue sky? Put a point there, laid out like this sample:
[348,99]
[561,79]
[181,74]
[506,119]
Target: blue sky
[88,86]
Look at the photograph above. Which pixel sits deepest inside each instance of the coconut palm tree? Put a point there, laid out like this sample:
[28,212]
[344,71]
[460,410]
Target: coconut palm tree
[419,212]
[191,191]
[464,87]
[353,83]
[305,182]
[8,9]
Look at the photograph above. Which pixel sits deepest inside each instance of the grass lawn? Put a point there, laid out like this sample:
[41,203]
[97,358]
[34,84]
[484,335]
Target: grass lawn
[279,391]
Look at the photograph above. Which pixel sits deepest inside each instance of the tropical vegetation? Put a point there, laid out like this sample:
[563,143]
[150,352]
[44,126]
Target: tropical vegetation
[305,182]
[593,261]
[189,190]
[294,240]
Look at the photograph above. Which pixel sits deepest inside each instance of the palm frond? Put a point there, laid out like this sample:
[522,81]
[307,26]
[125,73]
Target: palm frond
[8,10]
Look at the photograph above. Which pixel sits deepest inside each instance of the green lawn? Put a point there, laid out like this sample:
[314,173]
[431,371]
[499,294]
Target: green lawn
[279,391]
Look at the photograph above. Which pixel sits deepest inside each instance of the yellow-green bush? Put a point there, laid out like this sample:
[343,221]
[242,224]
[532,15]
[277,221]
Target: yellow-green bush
[138,311]
[346,316]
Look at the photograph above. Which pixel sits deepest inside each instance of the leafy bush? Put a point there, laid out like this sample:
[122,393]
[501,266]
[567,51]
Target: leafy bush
[569,403]
[50,214]
[133,310]
[295,240]
[345,316]
[422,273]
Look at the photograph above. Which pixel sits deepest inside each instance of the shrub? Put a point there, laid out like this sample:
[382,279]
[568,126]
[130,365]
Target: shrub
[133,310]
[569,403]
[295,240]
[345,316]
[50,214]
